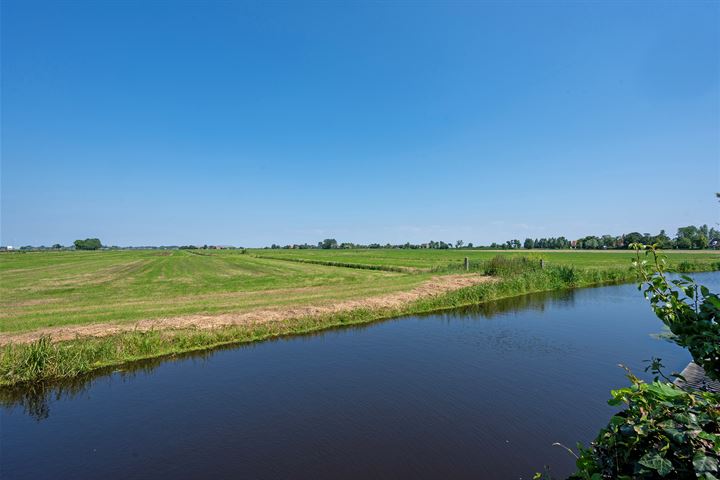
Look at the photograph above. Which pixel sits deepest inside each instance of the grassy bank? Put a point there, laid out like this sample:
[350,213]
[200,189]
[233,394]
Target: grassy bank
[45,360]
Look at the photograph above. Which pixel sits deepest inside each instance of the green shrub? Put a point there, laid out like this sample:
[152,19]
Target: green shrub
[690,311]
[686,266]
[568,275]
[663,432]
[503,265]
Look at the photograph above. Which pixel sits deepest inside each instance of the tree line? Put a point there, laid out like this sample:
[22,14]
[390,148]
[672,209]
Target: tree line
[686,238]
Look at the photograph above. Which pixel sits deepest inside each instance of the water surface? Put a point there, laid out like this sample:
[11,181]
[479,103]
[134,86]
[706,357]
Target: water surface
[473,393]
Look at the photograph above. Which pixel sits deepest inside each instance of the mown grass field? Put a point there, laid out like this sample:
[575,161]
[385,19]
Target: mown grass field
[45,289]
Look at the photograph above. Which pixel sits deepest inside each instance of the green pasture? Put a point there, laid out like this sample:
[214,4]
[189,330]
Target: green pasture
[44,289]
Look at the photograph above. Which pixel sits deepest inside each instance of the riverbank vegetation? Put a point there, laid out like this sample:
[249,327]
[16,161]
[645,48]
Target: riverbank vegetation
[151,284]
[666,429]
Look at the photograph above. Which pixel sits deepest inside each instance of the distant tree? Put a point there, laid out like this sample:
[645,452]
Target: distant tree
[590,242]
[459,244]
[701,241]
[683,243]
[607,241]
[328,243]
[88,244]
[662,240]
[470,245]
[57,246]
[693,236]
[689,232]
[632,237]
[528,243]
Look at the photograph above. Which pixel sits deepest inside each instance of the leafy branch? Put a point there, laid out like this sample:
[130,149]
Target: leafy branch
[689,310]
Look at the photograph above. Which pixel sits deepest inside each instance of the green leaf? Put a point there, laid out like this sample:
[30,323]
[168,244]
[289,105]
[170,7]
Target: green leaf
[654,461]
[714,300]
[666,390]
[671,429]
[615,420]
[703,463]
[708,436]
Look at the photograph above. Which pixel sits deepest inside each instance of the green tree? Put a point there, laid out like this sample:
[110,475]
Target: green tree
[528,244]
[632,237]
[88,244]
[683,243]
[607,241]
[662,240]
[701,241]
[686,236]
[328,243]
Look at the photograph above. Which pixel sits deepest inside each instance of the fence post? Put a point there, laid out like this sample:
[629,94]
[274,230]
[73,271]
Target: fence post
[542,263]
[467,263]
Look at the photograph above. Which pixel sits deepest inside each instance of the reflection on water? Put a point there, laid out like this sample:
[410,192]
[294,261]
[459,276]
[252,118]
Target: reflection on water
[534,302]
[35,399]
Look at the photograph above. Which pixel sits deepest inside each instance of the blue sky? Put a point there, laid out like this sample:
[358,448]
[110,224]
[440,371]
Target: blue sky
[252,123]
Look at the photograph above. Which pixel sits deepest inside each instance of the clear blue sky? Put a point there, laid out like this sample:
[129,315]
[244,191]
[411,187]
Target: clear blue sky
[252,123]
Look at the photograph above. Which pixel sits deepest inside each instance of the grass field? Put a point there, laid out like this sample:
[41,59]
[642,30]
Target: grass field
[74,290]
[45,289]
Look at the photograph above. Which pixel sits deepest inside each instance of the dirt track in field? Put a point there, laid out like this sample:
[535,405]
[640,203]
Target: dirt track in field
[435,286]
